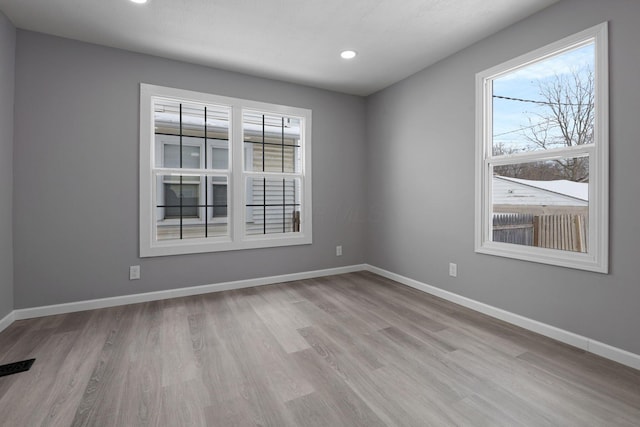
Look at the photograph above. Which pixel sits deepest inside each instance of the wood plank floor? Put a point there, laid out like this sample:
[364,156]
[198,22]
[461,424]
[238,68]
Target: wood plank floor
[348,350]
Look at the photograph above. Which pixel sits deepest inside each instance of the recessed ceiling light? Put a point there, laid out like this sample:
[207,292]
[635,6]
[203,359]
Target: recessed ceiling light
[348,54]
[139,1]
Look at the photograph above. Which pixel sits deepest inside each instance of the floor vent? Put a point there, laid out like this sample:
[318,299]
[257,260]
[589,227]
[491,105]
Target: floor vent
[14,368]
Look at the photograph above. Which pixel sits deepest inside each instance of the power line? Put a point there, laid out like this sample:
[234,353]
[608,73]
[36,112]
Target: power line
[533,101]
[523,128]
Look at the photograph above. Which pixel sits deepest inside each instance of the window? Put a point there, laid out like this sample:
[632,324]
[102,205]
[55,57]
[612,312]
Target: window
[220,173]
[542,155]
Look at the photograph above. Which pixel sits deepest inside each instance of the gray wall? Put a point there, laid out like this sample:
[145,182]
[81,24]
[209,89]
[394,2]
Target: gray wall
[76,174]
[421,182]
[7,55]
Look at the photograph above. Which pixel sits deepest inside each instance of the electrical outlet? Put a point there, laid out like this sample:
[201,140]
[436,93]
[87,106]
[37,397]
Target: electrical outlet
[134,272]
[339,250]
[453,269]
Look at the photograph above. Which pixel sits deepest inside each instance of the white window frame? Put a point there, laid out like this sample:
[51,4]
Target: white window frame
[236,238]
[597,257]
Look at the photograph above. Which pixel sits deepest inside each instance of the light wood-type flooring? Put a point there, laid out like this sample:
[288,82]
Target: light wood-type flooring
[348,350]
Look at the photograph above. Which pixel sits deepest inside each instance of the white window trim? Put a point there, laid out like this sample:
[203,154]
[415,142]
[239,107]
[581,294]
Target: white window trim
[597,257]
[236,239]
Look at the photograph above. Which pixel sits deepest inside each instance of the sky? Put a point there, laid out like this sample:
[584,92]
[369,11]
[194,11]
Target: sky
[510,117]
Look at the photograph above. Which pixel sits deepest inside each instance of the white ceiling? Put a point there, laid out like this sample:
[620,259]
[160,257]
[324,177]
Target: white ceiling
[293,40]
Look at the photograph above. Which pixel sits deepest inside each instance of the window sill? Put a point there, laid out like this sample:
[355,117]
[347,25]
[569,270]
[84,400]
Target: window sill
[575,260]
[192,246]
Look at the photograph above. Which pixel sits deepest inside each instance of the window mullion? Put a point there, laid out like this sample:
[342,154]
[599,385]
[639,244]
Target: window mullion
[181,188]
[204,165]
[550,154]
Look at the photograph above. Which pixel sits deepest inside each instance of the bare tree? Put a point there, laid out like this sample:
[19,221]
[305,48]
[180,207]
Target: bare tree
[567,119]
[537,171]
[515,170]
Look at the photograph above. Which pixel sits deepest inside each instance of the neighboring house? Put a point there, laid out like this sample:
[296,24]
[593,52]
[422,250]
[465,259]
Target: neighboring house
[514,195]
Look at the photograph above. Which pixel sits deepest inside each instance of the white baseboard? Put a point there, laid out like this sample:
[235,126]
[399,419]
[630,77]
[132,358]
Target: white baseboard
[612,353]
[28,313]
[7,320]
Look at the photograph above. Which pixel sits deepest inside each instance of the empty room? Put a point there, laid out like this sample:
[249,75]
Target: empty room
[337,213]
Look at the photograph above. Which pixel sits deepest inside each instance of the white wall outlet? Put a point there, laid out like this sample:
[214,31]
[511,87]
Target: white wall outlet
[453,269]
[134,272]
[339,250]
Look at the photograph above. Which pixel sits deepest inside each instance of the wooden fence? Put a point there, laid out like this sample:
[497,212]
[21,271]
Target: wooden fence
[513,228]
[566,232]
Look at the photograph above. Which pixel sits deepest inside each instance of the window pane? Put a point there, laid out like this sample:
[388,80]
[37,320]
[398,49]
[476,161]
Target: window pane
[544,203]
[179,118]
[272,158]
[219,200]
[193,157]
[190,230]
[181,200]
[190,158]
[273,206]
[272,143]
[220,157]
[176,118]
[184,211]
[547,104]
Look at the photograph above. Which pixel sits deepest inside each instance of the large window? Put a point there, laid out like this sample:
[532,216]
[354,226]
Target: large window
[542,155]
[220,173]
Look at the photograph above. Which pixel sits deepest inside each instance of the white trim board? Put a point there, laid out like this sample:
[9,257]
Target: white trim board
[7,320]
[28,313]
[587,344]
